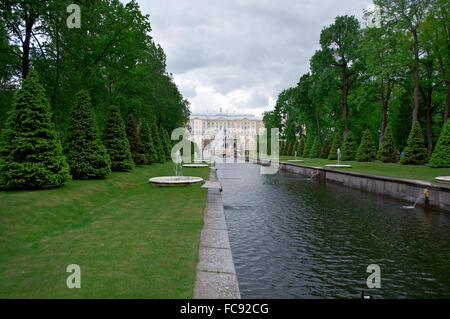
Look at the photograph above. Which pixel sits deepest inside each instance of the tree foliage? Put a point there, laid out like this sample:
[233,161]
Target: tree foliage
[415,152]
[366,150]
[441,154]
[349,147]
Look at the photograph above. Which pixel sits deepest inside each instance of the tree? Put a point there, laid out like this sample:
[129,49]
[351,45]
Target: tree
[161,155]
[147,143]
[116,142]
[315,148]
[335,145]
[349,147]
[301,146]
[441,154]
[86,154]
[167,145]
[31,154]
[308,145]
[366,150]
[325,151]
[415,152]
[387,153]
[136,147]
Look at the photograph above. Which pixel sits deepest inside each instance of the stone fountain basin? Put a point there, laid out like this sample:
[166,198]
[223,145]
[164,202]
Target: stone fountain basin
[177,181]
[195,165]
[338,165]
[445,179]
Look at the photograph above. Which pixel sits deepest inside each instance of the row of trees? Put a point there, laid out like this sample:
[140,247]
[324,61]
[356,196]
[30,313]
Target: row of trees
[32,155]
[383,82]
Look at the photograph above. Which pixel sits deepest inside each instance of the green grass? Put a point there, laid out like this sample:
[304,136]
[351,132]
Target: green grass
[416,172]
[131,239]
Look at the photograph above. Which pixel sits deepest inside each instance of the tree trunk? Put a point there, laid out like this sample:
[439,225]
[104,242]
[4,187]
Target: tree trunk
[384,108]
[26,48]
[415,116]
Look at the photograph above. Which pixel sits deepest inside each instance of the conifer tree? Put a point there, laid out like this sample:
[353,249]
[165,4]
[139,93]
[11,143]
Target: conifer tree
[441,153]
[315,148]
[325,148]
[86,154]
[161,155]
[31,155]
[136,147]
[147,143]
[366,150]
[387,153]
[332,155]
[415,151]
[308,146]
[167,145]
[301,146]
[116,142]
[349,147]
[295,147]
[289,148]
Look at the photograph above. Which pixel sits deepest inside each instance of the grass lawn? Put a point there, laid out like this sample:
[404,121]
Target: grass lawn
[131,239]
[419,172]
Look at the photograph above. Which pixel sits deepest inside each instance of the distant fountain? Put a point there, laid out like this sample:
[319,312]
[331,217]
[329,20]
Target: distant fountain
[338,165]
[296,160]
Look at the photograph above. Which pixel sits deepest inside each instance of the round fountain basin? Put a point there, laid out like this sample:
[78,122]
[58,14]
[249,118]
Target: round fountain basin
[296,161]
[177,181]
[445,179]
[338,165]
[195,165]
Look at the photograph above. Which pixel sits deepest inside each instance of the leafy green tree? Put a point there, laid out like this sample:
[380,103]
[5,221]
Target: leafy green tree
[387,153]
[325,151]
[86,154]
[136,147]
[116,142]
[415,152]
[308,145]
[159,148]
[147,143]
[335,145]
[366,151]
[315,148]
[441,153]
[349,147]
[31,154]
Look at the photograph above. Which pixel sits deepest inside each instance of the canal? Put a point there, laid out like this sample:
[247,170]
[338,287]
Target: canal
[293,237]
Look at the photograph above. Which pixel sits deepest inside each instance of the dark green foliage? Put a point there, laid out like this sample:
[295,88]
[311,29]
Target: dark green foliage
[308,146]
[415,151]
[325,148]
[349,147]
[282,147]
[387,153]
[337,140]
[159,148]
[136,147]
[301,146]
[147,143]
[315,149]
[289,148]
[167,145]
[295,147]
[116,142]
[31,154]
[441,153]
[366,150]
[86,154]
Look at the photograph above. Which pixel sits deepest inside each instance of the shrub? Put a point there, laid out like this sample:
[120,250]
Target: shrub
[441,153]
[335,145]
[161,155]
[325,148]
[116,142]
[308,146]
[415,151]
[315,149]
[136,147]
[349,147]
[168,144]
[31,154]
[147,143]
[289,149]
[366,150]
[387,153]
[301,146]
[86,154]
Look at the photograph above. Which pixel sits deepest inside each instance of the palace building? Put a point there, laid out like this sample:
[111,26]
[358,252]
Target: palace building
[225,134]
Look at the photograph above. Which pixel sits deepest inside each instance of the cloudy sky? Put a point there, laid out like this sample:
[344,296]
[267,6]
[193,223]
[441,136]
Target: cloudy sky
[239,54]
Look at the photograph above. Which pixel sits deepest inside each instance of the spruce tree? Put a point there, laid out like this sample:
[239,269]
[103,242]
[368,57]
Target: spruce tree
[441,153]
[325,148]
[282,147]
[295,147]
[147,143]
[315,148]
[136,147]
[166,143]
[415,151]
[308,146]
[387,153]
[161,156]
[289,148]
[349,147]
[86,154]
[301,146]
[366,150]
[31,155]
[332,155]
[116,142]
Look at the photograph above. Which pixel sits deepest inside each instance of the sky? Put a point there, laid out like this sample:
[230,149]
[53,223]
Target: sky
[238,55]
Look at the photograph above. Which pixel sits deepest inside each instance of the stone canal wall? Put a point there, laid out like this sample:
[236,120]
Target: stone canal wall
[433,194]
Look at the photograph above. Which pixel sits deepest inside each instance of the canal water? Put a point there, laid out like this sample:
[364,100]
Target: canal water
[293,237]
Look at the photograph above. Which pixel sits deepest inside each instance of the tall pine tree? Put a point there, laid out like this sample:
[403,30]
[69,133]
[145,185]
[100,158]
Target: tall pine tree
[86,154]
[116,142]
[147,143]
[441,153]
[31,154]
